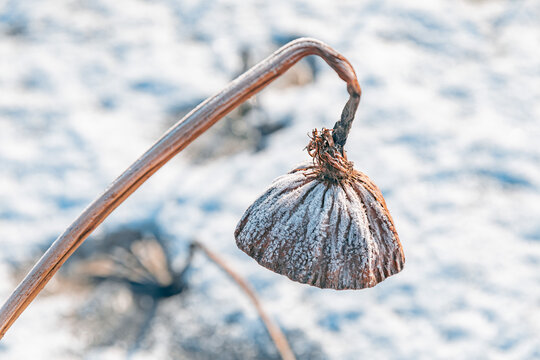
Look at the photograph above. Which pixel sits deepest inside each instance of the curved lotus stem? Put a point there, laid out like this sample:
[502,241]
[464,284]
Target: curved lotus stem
[171,143]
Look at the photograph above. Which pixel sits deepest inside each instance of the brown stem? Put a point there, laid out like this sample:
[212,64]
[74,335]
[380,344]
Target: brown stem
[275,332]
[343,126]
[172,142]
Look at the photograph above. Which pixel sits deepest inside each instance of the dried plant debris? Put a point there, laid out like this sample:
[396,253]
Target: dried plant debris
[127,274]
[324,224]
[136,258]
[131,298]
[249,126]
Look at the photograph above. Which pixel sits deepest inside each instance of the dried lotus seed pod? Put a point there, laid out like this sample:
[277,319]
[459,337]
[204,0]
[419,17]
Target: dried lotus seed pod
[324,224]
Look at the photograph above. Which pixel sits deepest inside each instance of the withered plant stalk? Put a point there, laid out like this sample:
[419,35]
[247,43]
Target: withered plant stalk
[171,143]
[274,331]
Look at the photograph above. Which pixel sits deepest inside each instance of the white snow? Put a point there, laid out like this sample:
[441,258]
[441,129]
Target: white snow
[448,128]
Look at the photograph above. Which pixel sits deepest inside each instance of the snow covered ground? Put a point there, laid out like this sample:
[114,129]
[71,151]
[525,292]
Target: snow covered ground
[448,127]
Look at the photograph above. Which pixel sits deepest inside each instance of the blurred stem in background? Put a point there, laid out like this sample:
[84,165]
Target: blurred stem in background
[273,329]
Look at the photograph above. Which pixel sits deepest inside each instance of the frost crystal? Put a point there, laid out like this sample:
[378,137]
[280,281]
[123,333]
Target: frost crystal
[330,234]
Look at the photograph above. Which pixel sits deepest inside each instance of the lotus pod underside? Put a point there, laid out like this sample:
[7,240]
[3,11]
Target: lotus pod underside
[330,234]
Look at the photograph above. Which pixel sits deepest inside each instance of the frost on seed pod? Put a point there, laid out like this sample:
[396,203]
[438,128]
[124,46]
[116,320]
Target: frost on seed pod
[323,224]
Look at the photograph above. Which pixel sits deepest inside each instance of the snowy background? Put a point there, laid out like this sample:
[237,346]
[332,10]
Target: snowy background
[448,127]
